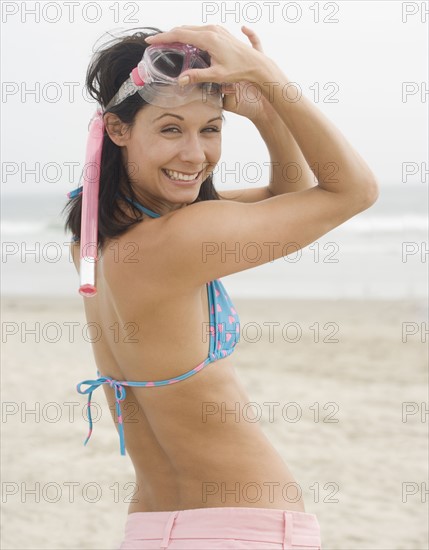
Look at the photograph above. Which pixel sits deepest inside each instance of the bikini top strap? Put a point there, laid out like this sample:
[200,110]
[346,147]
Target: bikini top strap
[143,208]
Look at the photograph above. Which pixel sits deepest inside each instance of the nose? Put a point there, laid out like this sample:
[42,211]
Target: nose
[192,150]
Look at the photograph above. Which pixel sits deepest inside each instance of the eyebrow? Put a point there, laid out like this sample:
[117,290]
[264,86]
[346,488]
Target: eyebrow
[181,118]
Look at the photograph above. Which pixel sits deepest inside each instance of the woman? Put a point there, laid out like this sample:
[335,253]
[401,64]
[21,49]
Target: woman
[168,326]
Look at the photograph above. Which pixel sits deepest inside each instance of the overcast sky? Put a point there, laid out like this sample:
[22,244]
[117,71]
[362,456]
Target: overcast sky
[372,49]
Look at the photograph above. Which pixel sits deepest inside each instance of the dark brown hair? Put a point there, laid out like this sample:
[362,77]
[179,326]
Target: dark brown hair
[109,68]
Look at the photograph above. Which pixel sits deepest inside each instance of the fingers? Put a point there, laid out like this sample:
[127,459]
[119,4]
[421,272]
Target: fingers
[229,88]
[213,28]
[200,36]
[253,37]
[193,76]
[185,36]
[226,51]
[203,37]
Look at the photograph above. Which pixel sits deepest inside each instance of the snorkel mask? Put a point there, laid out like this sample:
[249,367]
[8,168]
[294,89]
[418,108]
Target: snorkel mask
[155,79]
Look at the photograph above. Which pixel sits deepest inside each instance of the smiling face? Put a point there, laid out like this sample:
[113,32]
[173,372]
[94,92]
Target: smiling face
[169,152]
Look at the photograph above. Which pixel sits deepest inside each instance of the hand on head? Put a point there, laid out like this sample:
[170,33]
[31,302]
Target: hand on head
[231,59]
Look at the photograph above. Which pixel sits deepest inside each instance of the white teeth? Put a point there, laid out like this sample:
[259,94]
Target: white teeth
[179,176]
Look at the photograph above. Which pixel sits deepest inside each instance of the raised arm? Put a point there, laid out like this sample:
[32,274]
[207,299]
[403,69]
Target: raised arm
[336,165]
[212,239]
[289,170]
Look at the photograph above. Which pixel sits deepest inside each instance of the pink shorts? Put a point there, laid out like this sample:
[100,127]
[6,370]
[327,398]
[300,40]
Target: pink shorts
[221,528]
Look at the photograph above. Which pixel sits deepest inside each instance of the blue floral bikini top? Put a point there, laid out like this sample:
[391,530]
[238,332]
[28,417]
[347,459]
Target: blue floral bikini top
[224,328]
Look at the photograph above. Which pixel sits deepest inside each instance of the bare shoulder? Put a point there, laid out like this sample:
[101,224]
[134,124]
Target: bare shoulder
[203,241]
[212,239]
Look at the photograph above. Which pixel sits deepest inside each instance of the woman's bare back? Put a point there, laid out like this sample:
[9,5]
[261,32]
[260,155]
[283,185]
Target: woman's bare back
[189,444]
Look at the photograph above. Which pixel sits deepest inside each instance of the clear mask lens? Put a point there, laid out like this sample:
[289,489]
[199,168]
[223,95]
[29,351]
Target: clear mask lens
[165,63]
[160,69]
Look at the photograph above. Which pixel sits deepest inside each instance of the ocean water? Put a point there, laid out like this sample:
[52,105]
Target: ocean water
[381,253]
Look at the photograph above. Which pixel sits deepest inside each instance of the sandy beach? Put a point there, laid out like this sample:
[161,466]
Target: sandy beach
[346,380]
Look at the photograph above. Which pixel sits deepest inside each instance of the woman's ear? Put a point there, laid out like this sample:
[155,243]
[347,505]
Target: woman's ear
[116,129]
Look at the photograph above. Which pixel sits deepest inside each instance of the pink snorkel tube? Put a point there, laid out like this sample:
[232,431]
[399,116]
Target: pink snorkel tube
[89,221]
